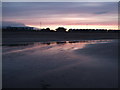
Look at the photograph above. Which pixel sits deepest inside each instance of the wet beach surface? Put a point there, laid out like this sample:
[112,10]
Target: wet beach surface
[61,64]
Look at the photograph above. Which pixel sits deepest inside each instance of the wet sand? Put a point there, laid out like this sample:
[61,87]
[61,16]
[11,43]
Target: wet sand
[92,64]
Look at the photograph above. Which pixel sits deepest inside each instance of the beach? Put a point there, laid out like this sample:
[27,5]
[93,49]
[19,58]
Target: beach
[65,64]
[59,45]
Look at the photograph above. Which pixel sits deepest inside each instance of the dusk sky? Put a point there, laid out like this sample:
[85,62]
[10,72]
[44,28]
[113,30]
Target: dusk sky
[93,15]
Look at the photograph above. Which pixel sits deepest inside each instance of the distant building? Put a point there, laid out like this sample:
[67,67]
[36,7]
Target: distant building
[19,28]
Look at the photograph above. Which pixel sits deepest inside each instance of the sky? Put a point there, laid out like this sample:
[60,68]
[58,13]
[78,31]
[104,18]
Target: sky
[75,15]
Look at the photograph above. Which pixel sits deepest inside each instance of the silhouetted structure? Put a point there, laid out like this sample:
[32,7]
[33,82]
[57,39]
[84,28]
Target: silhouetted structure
[19,28]
[59,29]
[92,30]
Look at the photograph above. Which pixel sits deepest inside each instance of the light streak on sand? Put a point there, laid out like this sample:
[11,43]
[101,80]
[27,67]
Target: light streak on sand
[22,50]
[55,47]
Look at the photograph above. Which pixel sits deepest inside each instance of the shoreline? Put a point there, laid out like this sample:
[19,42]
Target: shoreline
[20,37]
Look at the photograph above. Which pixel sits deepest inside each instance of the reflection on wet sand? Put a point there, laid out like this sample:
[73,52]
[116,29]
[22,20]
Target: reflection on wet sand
[56,42]
[64,45]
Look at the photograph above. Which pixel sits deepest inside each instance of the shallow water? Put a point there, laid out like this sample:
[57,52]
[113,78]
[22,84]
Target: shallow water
[59,65]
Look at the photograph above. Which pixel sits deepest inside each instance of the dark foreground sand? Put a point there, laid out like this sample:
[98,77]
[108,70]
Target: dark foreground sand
[70,65]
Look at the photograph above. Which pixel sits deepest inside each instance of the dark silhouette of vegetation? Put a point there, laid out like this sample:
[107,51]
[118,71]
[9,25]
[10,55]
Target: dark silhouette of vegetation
[61,29]
[45,30]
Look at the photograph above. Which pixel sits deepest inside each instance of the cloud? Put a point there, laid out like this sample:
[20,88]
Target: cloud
[31,13]
[12,24]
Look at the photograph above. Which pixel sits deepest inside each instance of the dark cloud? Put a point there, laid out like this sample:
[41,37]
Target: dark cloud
[104,12]
[25,9]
